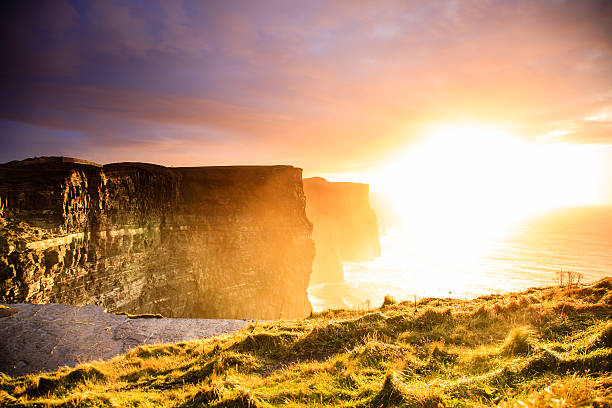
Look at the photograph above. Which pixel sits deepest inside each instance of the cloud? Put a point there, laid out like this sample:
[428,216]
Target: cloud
[303,82]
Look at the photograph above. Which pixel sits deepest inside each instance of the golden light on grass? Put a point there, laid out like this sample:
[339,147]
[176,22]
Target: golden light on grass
[455,353]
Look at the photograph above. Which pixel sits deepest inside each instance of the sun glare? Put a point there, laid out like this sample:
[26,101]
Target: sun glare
[486,171]
[463,185]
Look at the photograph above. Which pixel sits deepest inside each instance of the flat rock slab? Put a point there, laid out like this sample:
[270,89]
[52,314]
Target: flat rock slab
[45,337]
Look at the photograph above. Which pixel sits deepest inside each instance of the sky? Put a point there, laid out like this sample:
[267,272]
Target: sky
[333,87]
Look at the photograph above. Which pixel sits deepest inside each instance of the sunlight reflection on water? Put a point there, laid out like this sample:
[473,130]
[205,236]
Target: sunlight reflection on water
[527,255]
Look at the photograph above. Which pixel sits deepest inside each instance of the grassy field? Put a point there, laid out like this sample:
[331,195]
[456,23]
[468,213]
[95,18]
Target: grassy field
[549,347]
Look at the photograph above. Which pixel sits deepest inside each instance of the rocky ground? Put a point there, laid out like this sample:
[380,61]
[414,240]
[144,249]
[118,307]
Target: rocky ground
[35,338]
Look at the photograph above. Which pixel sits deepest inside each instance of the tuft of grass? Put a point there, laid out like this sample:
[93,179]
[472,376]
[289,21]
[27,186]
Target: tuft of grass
[439,353]
[395,393]
[141,316]
[6,399]
[6,311]
[54,383]
[602,339]
[545,347]
[431,317]
[388,301]
[518,342]
[565,392]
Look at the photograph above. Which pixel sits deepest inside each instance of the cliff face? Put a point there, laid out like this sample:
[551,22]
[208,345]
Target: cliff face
[212,242]
[345,226]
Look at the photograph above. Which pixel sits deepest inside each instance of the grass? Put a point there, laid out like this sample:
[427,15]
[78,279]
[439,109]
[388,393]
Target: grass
[548,347]
[6,311]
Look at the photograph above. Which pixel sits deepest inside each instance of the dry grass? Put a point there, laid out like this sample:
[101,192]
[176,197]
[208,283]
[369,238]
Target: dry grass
[547,347]
[518,342]
[388,301]
[6,311]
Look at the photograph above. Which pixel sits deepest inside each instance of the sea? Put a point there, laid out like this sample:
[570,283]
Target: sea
[529,253]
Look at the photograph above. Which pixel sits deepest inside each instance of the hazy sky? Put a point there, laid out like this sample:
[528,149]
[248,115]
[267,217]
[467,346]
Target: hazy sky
[329,86]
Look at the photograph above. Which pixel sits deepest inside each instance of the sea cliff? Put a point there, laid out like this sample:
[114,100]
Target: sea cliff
[345,226]
[215,242]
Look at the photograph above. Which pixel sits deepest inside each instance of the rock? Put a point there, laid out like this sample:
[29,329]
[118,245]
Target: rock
[345,226]
[45,337]
[231,242]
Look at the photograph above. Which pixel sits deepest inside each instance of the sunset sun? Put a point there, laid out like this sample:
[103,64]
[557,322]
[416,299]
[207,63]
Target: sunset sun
[459,188]
[458,174]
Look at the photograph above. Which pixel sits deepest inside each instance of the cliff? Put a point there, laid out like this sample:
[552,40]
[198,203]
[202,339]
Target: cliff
[345,226]
[231,242]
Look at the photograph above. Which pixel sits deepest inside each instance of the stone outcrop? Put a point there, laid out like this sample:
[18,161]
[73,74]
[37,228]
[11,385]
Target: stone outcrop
[214,242]
[42,337]
[345,226]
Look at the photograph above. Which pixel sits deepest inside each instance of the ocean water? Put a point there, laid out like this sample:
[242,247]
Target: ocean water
[526,254]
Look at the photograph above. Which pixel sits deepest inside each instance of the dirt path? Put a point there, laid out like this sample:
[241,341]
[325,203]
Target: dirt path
[45,337]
